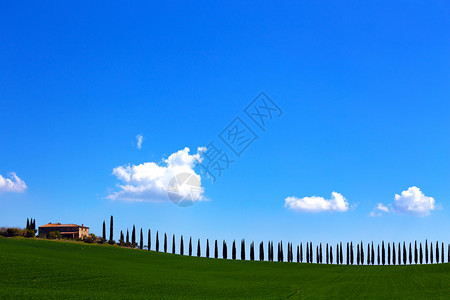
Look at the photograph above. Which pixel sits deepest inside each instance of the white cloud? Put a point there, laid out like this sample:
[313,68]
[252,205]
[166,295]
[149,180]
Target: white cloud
[315,204]
[149,181]
[139,140]
[377,211]
[12,184]
[413,201]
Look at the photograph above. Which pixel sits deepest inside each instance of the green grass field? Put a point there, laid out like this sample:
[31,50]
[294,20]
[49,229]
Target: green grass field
[32,268]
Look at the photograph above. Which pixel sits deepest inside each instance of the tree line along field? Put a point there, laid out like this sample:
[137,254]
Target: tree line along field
[37,268]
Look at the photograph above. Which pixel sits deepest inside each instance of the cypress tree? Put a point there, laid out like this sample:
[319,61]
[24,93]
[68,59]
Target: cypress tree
[348,255]
[252,251]
[207,248]
[368,254]
[216,250]
[233,250]
[261,251]
[382,253]
[327,256]
[28,224]
[373,255]
[357,254]
[431,252]
[437,252]
[133,237]
[141,244]
[331,254]
[410,254]
[320,252]
[416,258]
[442,252]
[421,254]
[111,226]
[448,253]
[307,253]
[128,236]
[198,248]
[337,253]
[301,252]
[393,254]
[173,243]
[389,254]
[104,231]
[378,254]
[399,255]
[157,240]
[341,257]
[362,253]
[298,253]
[121,237]
[310,252]
[426,251]
[281,251]
[404,253]
[317,255]
[242,249]
[268,251]
[351,252]
[224,250]
[165,242]
[190,246]
[181,246]
[149,239]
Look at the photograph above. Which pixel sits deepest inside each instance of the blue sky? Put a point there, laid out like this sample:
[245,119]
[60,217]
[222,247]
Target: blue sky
[364,89]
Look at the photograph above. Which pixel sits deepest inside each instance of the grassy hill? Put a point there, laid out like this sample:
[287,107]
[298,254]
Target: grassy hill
[31,268]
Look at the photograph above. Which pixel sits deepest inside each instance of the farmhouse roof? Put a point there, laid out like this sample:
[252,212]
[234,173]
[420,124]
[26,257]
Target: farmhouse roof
[53,225]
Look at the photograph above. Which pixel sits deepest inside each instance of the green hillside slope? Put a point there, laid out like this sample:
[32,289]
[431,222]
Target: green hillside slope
[31,268]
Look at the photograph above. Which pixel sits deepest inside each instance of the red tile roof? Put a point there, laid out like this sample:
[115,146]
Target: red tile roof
[62,225]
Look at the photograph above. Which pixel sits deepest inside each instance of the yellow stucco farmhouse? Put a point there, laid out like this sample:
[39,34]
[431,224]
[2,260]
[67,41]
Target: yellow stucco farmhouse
[66,230]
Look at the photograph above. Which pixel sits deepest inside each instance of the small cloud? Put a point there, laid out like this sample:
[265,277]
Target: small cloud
[150,181]
[378,210]
[412,202]
[12,184]
[139,140]
[314,204]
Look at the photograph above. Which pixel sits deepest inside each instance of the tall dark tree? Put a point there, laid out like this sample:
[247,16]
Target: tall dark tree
[399,255]
[165,242]
[410,254]
[198,248]
[320,253]
[426,251]
[361,247]
[382,253]
[301,252]
[331,254]
[298,253]
[181,246]
[128,237]
[242,249]
[431,252]
[233,250]
[327,256]
[373,255]
[207,248]
[389,254]
[317,255]
[141,242]
[404,253]
[173,243]
[337,253]
[252,251]
[351,252]
[156,242]
[111,230]
[310,252]
[149,239]
[448,253]
[393,254]
[378,254]
[307,253]
[341,257]
[368,253]
[442,253]
[104,230]
[133,237]
[421,254]
[357,254]
[190,246]
[416,256]
[224,250]
[348,254]
[437,252]
[122,239]
[268,251]
[216,250]
[28,224]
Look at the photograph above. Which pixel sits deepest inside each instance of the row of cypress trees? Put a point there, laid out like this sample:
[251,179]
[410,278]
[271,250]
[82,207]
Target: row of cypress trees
[388,253]
[31,224]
